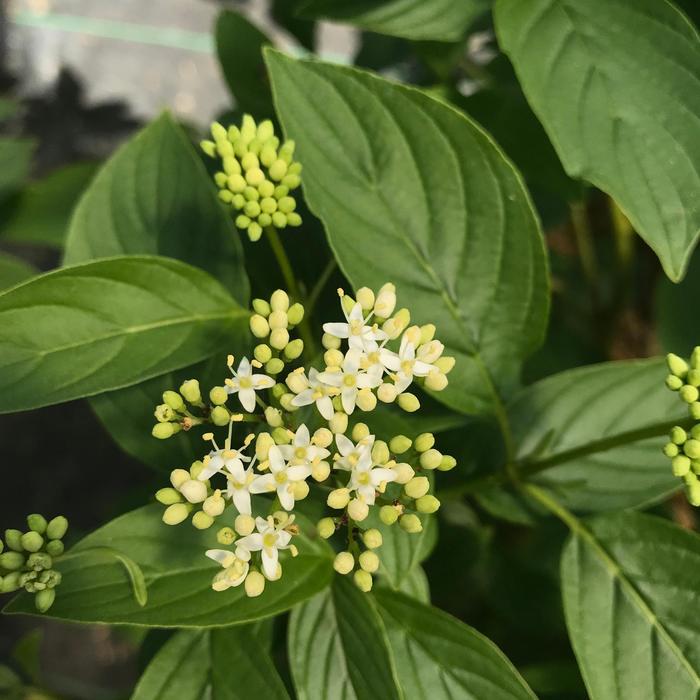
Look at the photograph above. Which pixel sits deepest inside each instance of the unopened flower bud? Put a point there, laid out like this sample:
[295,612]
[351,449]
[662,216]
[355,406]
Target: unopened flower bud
[190,390]
[297,382]
[344,562]
[424,442]
[677,365]
[193,490]
[286,403]
[363,580]
[333,358]
[295,314]
[163,431]
[338,423]
[274,366]
[673,382]
[388,514]
[431,459]
[262,353]
[202,520]
[689,394]
[12,561]
[44,599]
[176,513]
[320,471]
[436,381]
[427,504]
[39,561]
[281,436]
[273,417]
[365,297]
[372,538]
[254,584]
[263,443]
[226,536]
[259,326]
[358,510]
[369,561]
[347,302]
[214,505]
[326,527]
[400,444]
[57,528]
[409,402]
[448,462]
[13,539]
[693,377]
[261,307]
[55,548]
[412,335]
[218,395]
[174,401]
[360,431]
[386,392]
[220,416]
[385,302]
[196,468]
[294,349]
[178,477]
[32,541]
[670,449]
[338,498]
[278,320]
[692,449]
[678,435]
[279,338]
[244,524]
[366,400]
[330,342]
[10,582]
[279,301]
[417,487]
[445,364]
[300,490]
[168,496]
[410,523]
[380,452]
[37,523]
[680,465]
[322,437]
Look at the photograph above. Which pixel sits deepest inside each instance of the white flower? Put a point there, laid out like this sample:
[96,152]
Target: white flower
[218,459]
[359,334]
[350,379]
[235,569]
[269,540]
[318,393]
[365,478]
[301,452]
[352,454]
[282,478]
[405,364]
[245,384]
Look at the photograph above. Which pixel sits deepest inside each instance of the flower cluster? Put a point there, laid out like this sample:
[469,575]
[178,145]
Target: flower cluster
[266,471]
[683,449]
[258,175]
[28,563]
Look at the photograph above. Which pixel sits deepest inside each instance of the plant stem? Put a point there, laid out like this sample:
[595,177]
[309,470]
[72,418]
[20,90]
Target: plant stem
[292,286]
[320,284]
[584,241]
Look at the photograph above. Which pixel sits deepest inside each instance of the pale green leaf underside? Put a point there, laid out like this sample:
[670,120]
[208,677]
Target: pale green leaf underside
[630,598]
[411,191]
[90,328]
[437,20]
[178,576]
[601,428]
[154,196]
[616,85]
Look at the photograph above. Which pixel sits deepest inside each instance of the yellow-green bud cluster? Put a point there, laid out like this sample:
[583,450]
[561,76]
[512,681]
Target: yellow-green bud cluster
[258,175]
[271,322]
[186,495]
[29,559]
[683,448]
[363,560]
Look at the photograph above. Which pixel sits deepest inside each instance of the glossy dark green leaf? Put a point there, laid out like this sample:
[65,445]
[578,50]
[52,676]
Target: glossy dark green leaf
[597,433]
[239,45]
[14,270]
[615,85]
[99,326]
[411,191]
[178,576]
[630,586]
[441,658]
[154,196]
[439,20]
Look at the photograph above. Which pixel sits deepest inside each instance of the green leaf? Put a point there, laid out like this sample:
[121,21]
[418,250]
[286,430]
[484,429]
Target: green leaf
[99,326]
[154,196]
[439,657]
[411,191]
[239,45]
[599,74]
[630,597]
[41,211]
[15,159]
[14,270]
[597,431]
[181,669]
[415,584]
[338,647]
[137,580]
[178,576]
[438,20]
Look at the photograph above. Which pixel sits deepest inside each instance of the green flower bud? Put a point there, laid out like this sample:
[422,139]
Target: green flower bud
[209,147]
[670,450]
[10,582]
[281,436]
[2,546]
[388,514]
[174,400]
[13,539]
[32,541]
[262,307]
[12,561]
[408,402]
[37,523]
[330,342]
[689,394]
[279,338]
[259,326]
[176,513]
[220,416]
[692,449]
[168,496]
[55,548]
[431,459]
[278,170]
[344,562]
[369,561]
[44,599]
[293,219]
[254,584]
[294,349]
[286,403]
[52,578]
[678,435]
[680,465]
[262,353]
[278,319]
[693,377]
[287,205]
[360,431]
[372,538]
[274,366]
[295,314]
[279,301]
[410,523]
[380,452]
[694,410]
[400,444]
[218,395]
[448,462]
[363,579]
[163,431]
[677,365]
[244,524]
[326,527]
[320,471]
[263,444]
[226,536]
[424,442]
[417,487]
[338,423]
[279,390]
[190,390]
[164,414]
[358,510]
[427,504]
[338,498]
[193,490]
[57,528]
[202,520]
[39,561]
[445,364]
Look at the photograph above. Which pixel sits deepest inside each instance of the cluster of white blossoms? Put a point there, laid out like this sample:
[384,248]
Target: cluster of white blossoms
[256,486]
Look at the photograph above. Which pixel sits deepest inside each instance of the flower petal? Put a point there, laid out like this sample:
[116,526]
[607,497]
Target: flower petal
[247,399]
[269,562]
[325,407]
[241,499]
[302,437]
[345,445]
[262,381]
[244,368]
[339,330]
[253,543]
[286,497]
[298,472]
[265,483]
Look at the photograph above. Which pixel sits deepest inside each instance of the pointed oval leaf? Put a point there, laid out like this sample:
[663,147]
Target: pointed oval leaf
[630,597]
[411,191]
[14,270]
[90,328]
[615,84]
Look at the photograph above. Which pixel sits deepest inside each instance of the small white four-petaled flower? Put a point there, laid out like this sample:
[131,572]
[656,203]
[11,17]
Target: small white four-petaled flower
[245,383]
